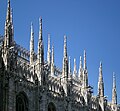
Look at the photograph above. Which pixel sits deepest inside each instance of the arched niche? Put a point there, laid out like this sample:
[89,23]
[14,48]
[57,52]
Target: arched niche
[21,102]
[51,107]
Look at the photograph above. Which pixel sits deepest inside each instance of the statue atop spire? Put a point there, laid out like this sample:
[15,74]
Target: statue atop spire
[40,56]
[40,44]
[32,44]
[40,30]
[100,82]
[65,68]
[101,89]
[65,59]
[114,92]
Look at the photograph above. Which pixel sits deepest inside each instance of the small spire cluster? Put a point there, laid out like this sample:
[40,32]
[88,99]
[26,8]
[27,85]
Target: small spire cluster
[65,84]
[40,54]
[82,74]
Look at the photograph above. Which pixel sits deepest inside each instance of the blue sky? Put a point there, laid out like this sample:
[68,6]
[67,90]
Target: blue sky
[93,25]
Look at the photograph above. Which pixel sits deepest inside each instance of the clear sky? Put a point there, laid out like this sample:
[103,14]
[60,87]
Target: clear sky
[93,25]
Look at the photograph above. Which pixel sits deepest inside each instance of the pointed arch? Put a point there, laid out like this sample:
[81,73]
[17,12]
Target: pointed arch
[22,103]
[51,107]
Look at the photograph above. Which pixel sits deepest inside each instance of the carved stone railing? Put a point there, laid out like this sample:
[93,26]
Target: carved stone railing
[54,84]
[76,82]
[22,52]
[57,71]
[25,70]
[94,102]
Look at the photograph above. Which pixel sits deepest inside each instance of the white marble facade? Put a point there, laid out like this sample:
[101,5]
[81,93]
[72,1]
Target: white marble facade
[29,83]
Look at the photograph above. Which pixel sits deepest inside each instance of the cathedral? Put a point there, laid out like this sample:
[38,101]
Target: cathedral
[28,82]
